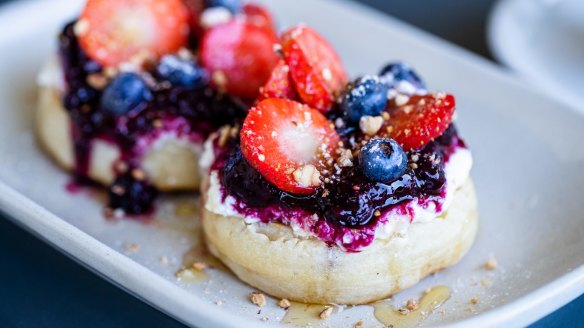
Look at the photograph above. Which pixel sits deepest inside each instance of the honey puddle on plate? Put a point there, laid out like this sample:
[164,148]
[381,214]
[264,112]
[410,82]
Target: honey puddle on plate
[305,315]
[432,299]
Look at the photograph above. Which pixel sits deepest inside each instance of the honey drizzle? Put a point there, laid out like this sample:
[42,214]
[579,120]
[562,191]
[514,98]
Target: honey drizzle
[433,299]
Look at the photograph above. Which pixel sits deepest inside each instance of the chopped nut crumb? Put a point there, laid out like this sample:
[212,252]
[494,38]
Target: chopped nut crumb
[97,80]
[491,264]
[118,190]
[401,99]
[385,116]
[389,129]
[412,305]
[358,324]
[265,319]
[132,247]
[345,159]
[199,266]
[220,79]
[403,311]
[138,174]
[257,298]
[370,124]
[157,123]
[81,27]
[284,304]
[307,176]
[328,310]
[474,300]
[377,213]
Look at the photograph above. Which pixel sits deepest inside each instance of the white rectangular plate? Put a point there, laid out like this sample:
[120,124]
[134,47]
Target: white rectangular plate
[528,173]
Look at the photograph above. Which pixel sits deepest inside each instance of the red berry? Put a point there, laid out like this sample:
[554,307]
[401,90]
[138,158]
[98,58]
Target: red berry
[421,120]
[112,32]
[288,143]
[195,9]
[258,15]
[240,56]
[315,67]
[280,84]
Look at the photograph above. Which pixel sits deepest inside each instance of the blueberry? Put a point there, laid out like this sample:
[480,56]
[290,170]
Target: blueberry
[124,94]
[393,73]
[383,160]
[365,96]
[181,72]
[234,6]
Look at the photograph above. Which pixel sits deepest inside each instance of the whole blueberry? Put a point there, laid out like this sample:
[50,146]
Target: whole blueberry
[124,93]
[181,72]
[365,96]
[394,73]
[383,160]
[234,6]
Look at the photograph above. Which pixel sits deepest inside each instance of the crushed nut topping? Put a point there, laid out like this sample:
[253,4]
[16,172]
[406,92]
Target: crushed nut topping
[412,305]
[474,300]
[370,124]
[138,174]
[307,176]
[199,266]
[328,310]
[257,298]
[284,304]
[358,324]
[345,159]
[220,79]
[97,80]
[491,264]
[401,99]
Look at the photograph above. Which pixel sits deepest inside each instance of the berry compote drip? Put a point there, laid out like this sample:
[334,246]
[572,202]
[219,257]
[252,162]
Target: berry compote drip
[203,109]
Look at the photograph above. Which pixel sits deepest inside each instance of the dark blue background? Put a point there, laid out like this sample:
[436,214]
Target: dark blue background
[39,287]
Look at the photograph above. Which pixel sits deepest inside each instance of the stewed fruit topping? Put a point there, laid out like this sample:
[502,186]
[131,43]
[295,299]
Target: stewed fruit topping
[124,94]
[239,56]
[383,160]
[394,74]
[420,120]
[289,143]
[112,32]
[366,96]
[315,67]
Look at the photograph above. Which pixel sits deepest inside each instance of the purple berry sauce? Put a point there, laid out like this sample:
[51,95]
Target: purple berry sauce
[193,113]
[348,212]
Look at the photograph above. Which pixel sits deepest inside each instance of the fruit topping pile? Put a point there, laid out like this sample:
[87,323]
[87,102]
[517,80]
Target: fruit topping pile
[347,151]
[137,68]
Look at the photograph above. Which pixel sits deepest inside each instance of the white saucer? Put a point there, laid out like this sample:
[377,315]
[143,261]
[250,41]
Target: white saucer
[543,44]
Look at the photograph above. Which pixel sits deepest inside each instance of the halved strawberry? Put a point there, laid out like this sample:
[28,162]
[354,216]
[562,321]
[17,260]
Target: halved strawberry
[288,143]
[421,120]
[240,56]
[280,84]
[112,32]
[258,15]
[317,71]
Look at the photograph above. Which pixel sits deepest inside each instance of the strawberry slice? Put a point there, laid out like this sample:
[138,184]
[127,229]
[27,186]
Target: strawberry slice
[111,32]
[419,121]
[280,84]
[240,56]
[258,15]
[315,67]
[288,143]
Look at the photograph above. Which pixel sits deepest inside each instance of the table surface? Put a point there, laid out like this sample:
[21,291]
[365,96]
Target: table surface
[43,288]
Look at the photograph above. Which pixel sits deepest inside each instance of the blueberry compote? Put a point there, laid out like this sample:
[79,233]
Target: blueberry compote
[349,205]
[198,111]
